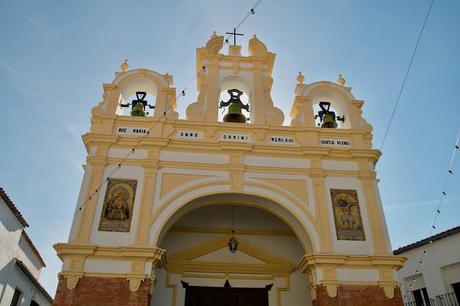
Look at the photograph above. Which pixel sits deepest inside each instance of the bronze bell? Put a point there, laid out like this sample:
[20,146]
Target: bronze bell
[329,121]
[138,110]
[235,106]
[327,117]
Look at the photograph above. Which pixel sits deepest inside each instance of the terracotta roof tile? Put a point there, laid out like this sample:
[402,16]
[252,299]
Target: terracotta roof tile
[13,207]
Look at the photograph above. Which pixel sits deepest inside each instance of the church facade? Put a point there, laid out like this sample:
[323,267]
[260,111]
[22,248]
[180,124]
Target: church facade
[233,211]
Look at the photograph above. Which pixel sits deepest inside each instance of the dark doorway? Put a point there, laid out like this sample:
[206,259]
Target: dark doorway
[456,287]
[226,296]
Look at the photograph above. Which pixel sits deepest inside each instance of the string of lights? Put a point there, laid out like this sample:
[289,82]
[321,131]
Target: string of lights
[437,213]
[403,84]
[132,151]
[181,93]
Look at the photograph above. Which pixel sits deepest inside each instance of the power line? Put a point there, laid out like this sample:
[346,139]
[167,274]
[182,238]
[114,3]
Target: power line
[401,89]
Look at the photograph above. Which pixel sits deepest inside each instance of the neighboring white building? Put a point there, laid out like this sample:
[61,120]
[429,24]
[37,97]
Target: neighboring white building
[438,278]
[20,262]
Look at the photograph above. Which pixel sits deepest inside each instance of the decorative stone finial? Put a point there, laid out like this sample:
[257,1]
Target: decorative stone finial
[257,48]
[124,66]
[300,78]
[341,80]
[214,43]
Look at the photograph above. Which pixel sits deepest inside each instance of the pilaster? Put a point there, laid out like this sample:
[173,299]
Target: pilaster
[258,113]
[376,219]
[88,207]
[321,206]
[150,174]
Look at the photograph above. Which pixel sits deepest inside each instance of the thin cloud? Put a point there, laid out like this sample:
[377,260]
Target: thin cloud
[418,204]
[74,129]
[75,163]
[6,66]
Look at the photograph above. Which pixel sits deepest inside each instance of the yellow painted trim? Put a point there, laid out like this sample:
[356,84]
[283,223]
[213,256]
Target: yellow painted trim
[113,161]
[210,144]
[221,242]
[150,174]
[228,231]
[354,261]
[273,265]
[179,267]
[77,253]
[228,276]
[159,210]
[319,196]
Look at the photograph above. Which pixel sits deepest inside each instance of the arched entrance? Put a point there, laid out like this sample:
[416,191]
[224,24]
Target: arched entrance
[270,244]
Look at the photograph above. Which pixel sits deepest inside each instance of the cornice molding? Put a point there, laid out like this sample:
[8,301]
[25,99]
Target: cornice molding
[354,261]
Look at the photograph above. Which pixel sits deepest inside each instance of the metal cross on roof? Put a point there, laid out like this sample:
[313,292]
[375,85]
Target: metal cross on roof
[234,35]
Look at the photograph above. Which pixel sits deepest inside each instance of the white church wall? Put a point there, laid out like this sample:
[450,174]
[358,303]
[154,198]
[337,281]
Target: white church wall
[163,292]
[297,294]
[278,162]
[343,246]
[124,153]
[358,275]
[339,165]
[184,241]
[286,247]
[106,266]
[202,158]
[118,238]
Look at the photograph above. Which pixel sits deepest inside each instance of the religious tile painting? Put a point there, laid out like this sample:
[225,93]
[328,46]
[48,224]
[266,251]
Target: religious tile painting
[118,207]
[347,215]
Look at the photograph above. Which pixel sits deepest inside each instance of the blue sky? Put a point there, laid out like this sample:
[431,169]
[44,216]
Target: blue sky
[55,55]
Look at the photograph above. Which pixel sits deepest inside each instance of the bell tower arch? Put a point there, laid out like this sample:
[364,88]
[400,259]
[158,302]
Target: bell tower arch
[217,72]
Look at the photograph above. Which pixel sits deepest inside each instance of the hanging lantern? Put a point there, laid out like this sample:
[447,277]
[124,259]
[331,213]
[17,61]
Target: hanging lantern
[233,243]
